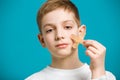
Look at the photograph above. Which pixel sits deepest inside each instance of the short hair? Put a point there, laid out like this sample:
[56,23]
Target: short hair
[51,5]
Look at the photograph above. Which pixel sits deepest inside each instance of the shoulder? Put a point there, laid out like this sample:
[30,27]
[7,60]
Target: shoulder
[37,76]
[110,75]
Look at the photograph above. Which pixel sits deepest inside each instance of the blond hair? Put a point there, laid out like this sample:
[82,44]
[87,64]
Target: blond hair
[51,5]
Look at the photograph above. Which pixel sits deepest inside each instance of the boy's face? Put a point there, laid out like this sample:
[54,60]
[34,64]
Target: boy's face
[57,27]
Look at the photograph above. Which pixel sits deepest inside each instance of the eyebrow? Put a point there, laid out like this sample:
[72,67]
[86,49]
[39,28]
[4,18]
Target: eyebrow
[69,21]
[50,24]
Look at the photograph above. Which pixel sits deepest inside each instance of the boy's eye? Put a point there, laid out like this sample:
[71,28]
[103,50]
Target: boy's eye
[50,30]
[68,27]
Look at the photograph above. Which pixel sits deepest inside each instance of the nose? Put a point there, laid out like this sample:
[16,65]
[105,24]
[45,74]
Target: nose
[59,34]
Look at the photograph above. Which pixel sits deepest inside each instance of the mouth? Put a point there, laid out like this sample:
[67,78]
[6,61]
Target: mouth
[62,45]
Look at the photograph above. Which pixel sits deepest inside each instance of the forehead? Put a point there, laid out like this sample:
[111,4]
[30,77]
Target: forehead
[57,16]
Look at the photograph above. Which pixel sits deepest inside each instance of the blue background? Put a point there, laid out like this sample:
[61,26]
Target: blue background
[20,51]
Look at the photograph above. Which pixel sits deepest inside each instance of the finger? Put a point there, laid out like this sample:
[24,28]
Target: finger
[90,53]
[93,43]
[93,50]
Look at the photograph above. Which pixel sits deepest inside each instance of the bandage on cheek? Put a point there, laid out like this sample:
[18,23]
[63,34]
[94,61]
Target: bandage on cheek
[77,40]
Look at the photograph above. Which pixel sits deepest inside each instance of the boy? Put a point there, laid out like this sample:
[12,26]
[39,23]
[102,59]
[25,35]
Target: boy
[57,21]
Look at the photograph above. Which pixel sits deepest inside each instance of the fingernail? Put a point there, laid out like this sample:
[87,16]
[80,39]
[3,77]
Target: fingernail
[83,41]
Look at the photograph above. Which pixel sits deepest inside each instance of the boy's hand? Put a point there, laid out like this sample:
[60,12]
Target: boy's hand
[96,51]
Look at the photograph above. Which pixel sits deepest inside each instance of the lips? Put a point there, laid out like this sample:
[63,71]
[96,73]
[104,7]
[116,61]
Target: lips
[63,45]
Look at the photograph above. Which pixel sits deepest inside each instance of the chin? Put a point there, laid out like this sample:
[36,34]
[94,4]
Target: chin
[62,54]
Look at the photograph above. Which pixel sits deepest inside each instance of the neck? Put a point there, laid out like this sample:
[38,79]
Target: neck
[70,62]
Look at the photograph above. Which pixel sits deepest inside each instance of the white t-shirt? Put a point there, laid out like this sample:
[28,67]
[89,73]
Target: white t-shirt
[82,73]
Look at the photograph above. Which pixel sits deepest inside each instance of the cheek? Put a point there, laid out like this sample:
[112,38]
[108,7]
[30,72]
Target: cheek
[48,40]
[68,35]
[73,31]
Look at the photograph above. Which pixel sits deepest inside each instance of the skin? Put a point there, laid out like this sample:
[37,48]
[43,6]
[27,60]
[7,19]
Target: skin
[57,27]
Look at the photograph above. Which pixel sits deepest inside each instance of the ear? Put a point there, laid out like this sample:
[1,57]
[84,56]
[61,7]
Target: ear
[82,31]
[41,39]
